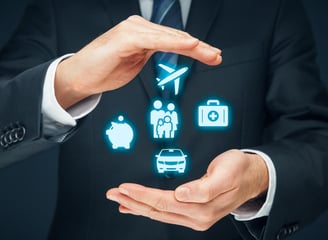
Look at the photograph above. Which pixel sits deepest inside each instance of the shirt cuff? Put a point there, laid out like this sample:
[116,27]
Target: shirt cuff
[55,118]
[259,207]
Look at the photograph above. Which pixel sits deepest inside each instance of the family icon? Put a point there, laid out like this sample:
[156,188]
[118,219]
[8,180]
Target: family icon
[164,120]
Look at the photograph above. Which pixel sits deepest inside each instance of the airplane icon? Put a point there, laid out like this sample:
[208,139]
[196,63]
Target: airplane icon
[174,75]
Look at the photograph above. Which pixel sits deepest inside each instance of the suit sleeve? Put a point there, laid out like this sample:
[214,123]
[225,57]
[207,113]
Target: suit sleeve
[24,61]
[296,134]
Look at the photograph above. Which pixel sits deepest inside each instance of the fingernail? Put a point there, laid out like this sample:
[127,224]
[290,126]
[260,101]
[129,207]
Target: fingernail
[123,210]
[123,191]
[183,193]
[113,198]
[219,58]
[217,50]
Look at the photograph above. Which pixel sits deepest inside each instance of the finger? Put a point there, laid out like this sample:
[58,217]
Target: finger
[147,35]
[170,218]
[204,53]
[161,38]
[185,46]
[142,25]
[139,208]
[130,206]
[204,215]
[190,47]
[216,182]
[180,44]
[160,200]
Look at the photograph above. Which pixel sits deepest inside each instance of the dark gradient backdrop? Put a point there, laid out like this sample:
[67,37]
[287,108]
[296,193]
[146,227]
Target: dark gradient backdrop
[28,189]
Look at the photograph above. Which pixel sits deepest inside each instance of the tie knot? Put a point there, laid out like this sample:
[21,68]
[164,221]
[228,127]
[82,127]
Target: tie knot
[168,13]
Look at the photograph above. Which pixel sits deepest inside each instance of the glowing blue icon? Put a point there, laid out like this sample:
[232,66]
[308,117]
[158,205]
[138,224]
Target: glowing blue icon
[120,134]
[174,75]
[213,115]
[171,161]
[165,122]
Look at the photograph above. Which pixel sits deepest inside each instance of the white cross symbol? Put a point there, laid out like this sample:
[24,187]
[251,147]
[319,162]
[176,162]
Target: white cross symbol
[213,116]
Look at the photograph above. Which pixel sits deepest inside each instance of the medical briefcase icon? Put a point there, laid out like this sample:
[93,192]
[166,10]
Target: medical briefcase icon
[213,115]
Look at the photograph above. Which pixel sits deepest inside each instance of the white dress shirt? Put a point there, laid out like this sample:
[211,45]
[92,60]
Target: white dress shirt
[57,122]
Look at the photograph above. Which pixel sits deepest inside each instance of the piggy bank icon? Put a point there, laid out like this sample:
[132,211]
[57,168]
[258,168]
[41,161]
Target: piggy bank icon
[120,134]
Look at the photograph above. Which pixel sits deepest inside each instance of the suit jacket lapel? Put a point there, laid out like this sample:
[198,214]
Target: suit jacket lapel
[201,17]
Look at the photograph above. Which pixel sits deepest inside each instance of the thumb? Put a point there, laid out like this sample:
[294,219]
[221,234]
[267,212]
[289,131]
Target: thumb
[201,190]
[219,179]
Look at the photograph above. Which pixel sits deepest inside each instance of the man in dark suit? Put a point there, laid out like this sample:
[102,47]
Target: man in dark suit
[268,79]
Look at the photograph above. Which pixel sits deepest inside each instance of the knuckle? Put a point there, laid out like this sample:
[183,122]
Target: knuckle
[124,24]
[201,227]
[205,218]
[150,213]
[153,213]
[128,22]
[235,152]
[134,18]
[161,205]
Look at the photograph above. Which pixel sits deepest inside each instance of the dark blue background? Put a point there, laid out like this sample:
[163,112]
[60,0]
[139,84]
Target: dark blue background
[28,188]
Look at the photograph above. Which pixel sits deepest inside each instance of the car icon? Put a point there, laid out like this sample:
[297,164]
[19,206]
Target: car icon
[171,160]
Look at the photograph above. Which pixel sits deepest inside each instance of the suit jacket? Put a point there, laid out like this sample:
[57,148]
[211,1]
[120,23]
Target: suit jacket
[268,78]
[10,13]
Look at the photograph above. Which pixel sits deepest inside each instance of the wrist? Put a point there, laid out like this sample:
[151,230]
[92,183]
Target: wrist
[260,174]
[67,90]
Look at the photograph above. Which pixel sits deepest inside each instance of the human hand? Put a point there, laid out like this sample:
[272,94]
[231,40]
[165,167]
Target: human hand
[116,57]
[232,178]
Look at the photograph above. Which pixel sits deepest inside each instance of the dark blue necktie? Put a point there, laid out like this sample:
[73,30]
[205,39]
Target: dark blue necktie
[167,13]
